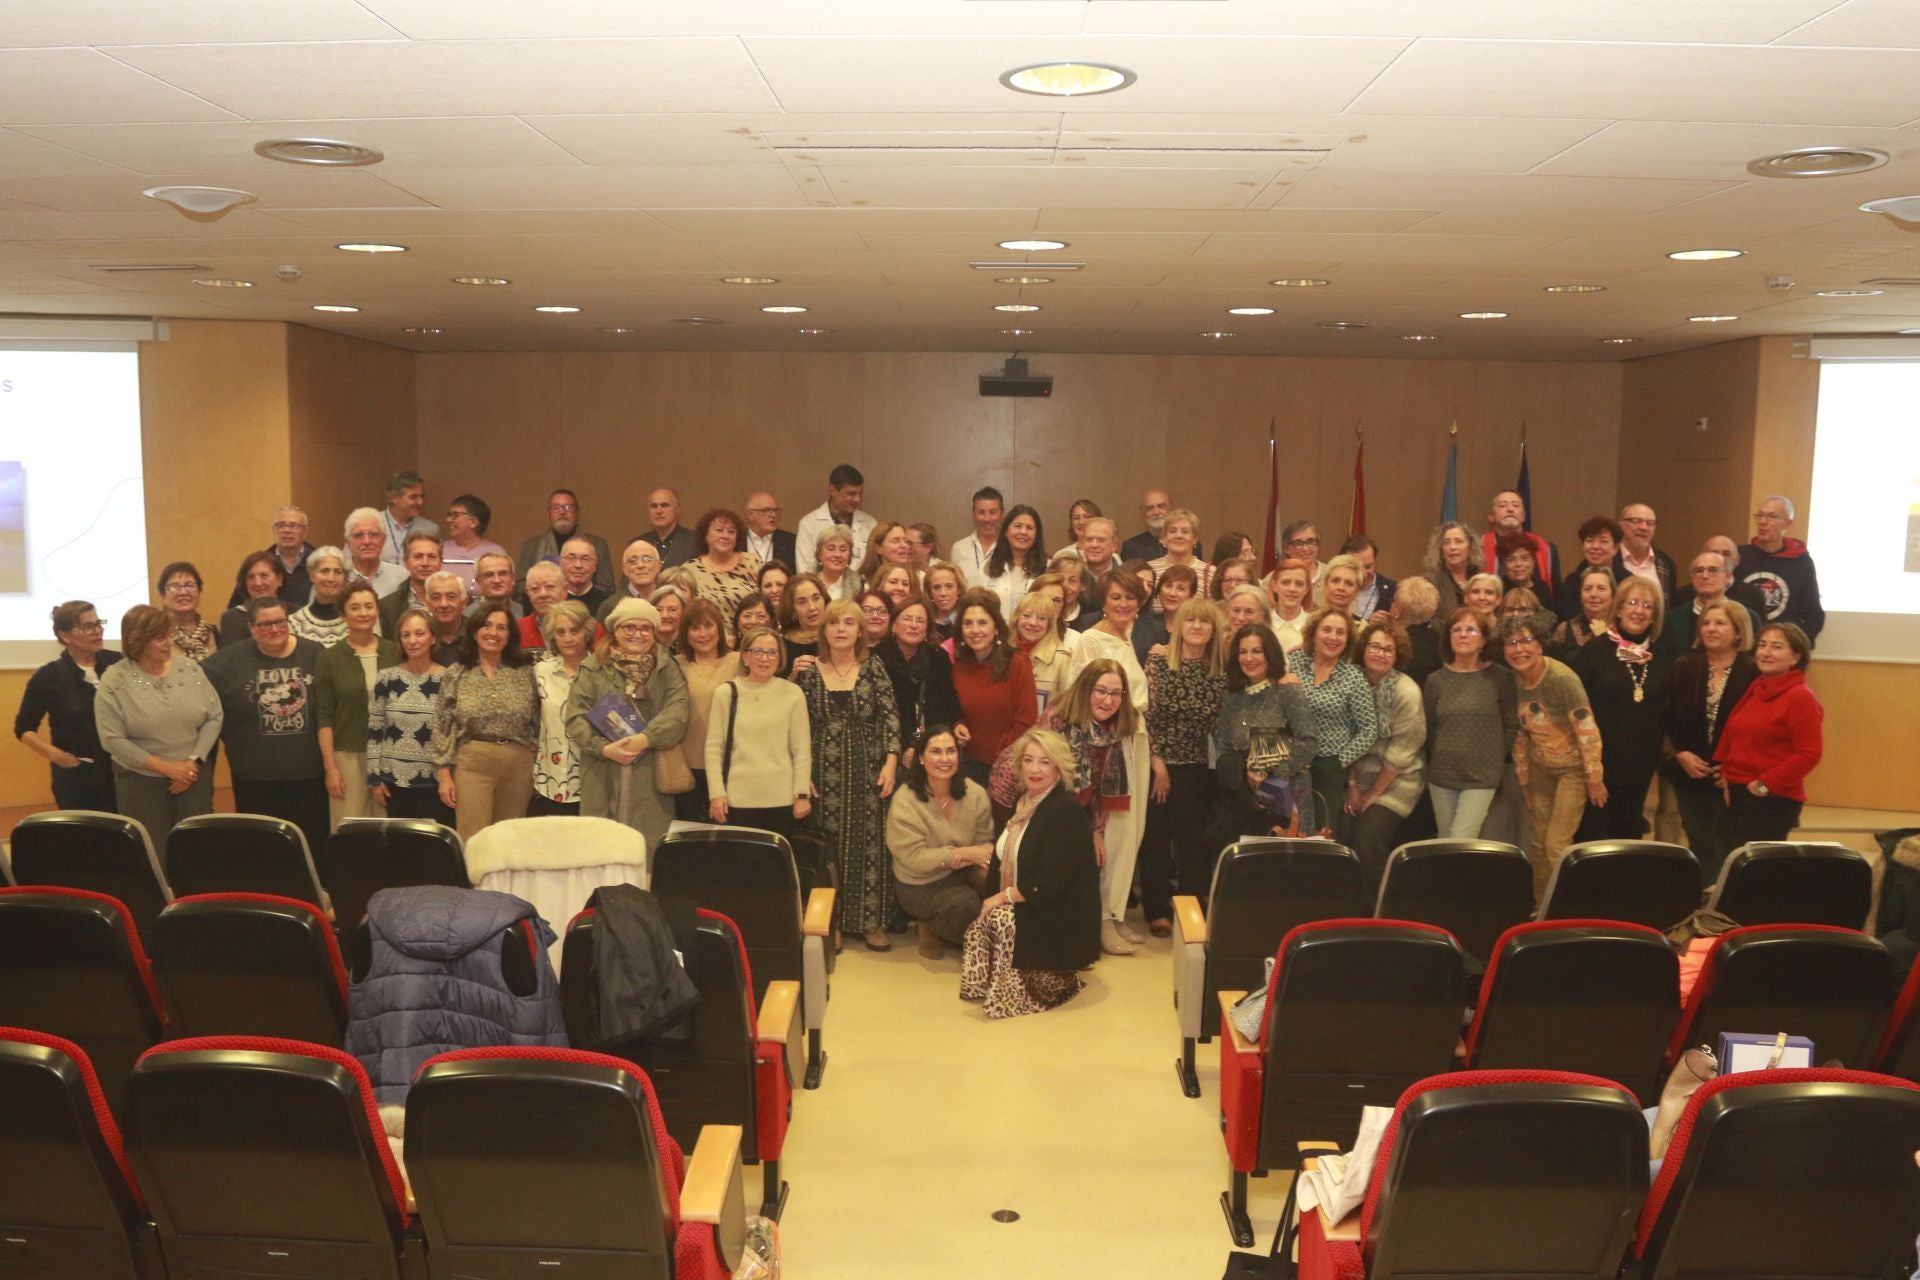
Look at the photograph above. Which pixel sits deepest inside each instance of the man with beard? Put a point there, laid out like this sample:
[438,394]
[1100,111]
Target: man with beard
[1507,518]
[563,522]
[1146,545]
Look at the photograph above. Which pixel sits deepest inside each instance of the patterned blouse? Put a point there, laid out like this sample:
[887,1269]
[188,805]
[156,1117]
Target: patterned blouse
[400,727]
[725,591]
[1557,730]
[556,766]
[1182,706]
[476,707]
[196,641]
[1345,718]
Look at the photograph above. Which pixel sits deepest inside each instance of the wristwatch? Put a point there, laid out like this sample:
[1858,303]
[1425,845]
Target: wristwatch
[1760,788]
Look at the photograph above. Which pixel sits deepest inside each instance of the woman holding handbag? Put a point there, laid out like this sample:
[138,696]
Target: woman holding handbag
[856,748]
[759,747]
[621,773]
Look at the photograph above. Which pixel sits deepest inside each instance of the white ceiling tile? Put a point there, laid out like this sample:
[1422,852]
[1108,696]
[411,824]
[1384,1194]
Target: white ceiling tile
[287,187]
[353,80]
[603,187]
[1761,258]
[1083,188]
[1747,84]
[962,73]
[84,86]
[495,19]
[228,146]
[407,224]
[1687,149]
[1732,21]
[1870,24]
[1002,223]
[1280,249]
[22,157]
[49,23]
[1688,226]
[159,223]
[1367,189]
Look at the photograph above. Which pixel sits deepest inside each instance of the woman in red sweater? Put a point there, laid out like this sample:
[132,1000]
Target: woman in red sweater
[1771,741]
[994,683]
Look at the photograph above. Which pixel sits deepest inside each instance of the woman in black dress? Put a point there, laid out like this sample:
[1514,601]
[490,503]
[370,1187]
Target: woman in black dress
[1626,683]
[1705,687]
[921,672]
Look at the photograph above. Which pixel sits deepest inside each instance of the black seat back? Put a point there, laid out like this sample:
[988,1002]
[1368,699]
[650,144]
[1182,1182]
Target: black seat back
[367,855]
[68,1203]
[241,853]
[1474,889]
[1592,996]
[1642,881]
[478,1126]
[1360,1009]
[747,876]
[72,966]
[263,1157]
[1833,986]
[242,964]
[1264,888]
[103,852]
[1788,1173]
[704,1077]
[1510,1179]
[1793,883]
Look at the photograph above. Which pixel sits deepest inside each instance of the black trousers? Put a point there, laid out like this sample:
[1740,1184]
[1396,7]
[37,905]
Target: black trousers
[1171,850]
[691,806]
[1624,815]
[538,806]
[301,801]
[777,819]
[1750,817]
[418,802]
[1374,835]
[85,786]
[1703,816]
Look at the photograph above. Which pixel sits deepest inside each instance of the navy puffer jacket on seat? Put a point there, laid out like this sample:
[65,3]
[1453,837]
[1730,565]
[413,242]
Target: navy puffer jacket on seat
[435,981]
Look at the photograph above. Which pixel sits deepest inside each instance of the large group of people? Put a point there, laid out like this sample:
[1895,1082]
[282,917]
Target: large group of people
[1010,745]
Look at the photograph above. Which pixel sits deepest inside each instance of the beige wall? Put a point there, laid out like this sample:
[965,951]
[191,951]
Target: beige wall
[716,425]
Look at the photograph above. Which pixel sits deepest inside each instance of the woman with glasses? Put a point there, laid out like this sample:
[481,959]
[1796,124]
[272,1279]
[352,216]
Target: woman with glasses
[180,588]
[61,695]
[158,719]
[1385,784]
[1556,755]
[629,680]
[759,745]
[1300,540]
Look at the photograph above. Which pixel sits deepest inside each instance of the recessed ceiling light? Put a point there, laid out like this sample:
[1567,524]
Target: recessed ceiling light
[425,328]
[1299,282]
[1909,331]
[557,311]
[618,328]
[1033,246]
[1710,319]
[1704,255]
[372,248]
[1344,326]
[1024,280]
[1618,342]
[1575,288]
[1067,79]
[327,306]
[696,320]
[783,311]
[1019,333]
[1818,162]
[481,280]
[1249,311]
[813,331]
[1419,337]
[1016,306]
[216,282]
[1217,334]
[1483,315]
[1849,293]
[988,264]
[748,280]
[322,151]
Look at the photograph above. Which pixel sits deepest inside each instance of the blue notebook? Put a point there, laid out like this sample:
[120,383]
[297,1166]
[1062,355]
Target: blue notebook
[616,717]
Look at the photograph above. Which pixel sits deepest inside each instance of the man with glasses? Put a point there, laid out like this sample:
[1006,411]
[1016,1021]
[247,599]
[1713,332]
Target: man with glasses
[578,564]
[291,548]
[765,538]
[1300,540]
[1146,545]
[563,522]
[271,727]
[406,498]
[1709,580]
[494,583]
[1780,568]
[365,537]
[1637,556]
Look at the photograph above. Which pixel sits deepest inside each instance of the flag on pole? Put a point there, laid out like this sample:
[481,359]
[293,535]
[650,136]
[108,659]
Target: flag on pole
[1357,519]
[1450,496]
[1269,551]
[1524,485]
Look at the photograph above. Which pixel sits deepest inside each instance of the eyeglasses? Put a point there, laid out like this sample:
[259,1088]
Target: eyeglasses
[1769,515]
[768,654]
[1524,640]
[93,628]
[183,586]
[287,526]
[633,628]
[1646,520]
[1382,651]
[563,508]
[270,624]
[764,511]
[458,512]
[1303,542]
[1711,570]
[875,610]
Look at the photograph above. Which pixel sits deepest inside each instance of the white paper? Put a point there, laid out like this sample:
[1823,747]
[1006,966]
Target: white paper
[1339,1183]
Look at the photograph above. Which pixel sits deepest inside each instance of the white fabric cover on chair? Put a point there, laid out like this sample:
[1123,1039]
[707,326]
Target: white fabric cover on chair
[556,863]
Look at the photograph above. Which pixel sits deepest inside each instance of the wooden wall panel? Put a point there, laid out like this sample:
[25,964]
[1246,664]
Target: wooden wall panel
[1695,480]
[927,439]
[350,407]
[495,425]
[1103,434]
[1787,402]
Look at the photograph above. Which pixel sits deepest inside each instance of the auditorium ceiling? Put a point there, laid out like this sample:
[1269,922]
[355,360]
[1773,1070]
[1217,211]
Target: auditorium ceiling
[1425,158]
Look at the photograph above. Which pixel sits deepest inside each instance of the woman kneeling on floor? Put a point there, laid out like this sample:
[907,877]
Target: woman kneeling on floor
[940,833]
[1021,954]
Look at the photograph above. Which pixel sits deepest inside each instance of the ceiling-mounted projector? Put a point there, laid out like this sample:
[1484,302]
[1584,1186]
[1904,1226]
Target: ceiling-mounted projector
[1015,380]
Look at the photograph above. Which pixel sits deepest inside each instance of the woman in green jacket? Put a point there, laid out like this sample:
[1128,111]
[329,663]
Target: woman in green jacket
[617,775]
[344,679]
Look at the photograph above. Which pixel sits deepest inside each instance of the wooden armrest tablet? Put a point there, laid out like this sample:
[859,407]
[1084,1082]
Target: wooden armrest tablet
[1348,1228]
[1189,919]
[818,921]
[777,1011]
[713,1174]
[1317,1145]
[1239,1042]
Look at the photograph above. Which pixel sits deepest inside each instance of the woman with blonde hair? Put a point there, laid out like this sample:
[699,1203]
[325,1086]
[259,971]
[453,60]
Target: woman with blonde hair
[1022,954]
[1288,588]
[834,550]
[890,543]
[1340,584]
[1181,536]
[1625,675]
[1070,571]
[1186,686]
[1449,563]
[944,586]
[1036,633]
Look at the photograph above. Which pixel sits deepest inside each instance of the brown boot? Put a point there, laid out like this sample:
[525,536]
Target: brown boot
[931,947]
[879,941]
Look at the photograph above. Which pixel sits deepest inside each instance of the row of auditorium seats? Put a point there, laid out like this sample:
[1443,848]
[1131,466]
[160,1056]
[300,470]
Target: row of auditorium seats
[253,1156]
[1359,1009]
[1477,890]
[1507,1174]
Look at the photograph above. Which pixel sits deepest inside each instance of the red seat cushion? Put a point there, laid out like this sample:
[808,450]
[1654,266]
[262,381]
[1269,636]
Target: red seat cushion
[1521,930]
[326,926]
[325,1053]
[103,1118]
[140,962]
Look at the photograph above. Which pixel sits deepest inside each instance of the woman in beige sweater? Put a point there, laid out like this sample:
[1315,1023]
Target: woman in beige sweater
[759,749]
[707,664]
[940,833]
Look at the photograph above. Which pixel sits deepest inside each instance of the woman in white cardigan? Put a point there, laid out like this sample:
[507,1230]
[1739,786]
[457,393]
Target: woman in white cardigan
[1384,785]
[759,745]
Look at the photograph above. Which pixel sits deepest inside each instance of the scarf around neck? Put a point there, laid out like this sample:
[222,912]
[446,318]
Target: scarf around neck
[636,670]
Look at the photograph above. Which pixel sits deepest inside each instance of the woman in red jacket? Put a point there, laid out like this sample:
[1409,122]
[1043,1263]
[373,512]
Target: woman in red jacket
[1771,741]
[994,683]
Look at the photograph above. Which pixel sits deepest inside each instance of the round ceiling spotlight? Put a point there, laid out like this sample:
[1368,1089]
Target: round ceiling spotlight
[1849,293]
[481,280]
[1249,311]
[811,332]
[1067,79]
[219,282]
[1342,326]
[784,311]
[618,328]
[424,329]
[1618,342]
[328,306]
[1710,319]
[1299,282]
[1217,334]
[1818,162]
[370,247]
[330,152]
[1033,246]
[1016,306]
[557,311]
[1419,337]
[1705,255]
[1019,333]
[1023,280]
[1483,315]
[748,280]
[1575,288]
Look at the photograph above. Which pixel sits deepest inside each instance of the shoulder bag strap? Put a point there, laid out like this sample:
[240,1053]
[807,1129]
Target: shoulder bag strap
[726,753]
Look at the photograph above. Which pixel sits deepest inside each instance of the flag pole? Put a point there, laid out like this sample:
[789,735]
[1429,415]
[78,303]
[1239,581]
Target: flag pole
[1269,558]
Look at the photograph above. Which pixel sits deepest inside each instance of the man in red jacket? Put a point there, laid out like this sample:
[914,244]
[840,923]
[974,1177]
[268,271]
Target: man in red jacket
[1507,517]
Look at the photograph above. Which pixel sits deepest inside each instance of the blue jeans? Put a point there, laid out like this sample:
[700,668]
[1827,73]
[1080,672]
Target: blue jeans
[1460,814]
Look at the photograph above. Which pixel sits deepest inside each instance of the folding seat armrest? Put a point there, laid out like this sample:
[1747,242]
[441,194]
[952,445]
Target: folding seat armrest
[1189,965]
[780,1024]
[1189,919]
[818,920]
[1231,1041]
[1313,1148]
[714,1193]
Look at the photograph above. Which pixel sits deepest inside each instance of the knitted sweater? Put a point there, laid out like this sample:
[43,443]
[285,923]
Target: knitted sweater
[772,744]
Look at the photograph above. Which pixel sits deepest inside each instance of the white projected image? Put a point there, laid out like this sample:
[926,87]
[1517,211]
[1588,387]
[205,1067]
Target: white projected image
[72,511]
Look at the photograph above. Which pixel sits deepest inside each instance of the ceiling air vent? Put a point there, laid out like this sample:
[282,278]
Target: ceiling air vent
[134,268]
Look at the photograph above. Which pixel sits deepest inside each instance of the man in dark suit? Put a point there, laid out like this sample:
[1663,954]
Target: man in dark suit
[1638,555]
[765,538]
[1146,545]
[1376,589]
[563,522]
[421,555]
[291,548]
